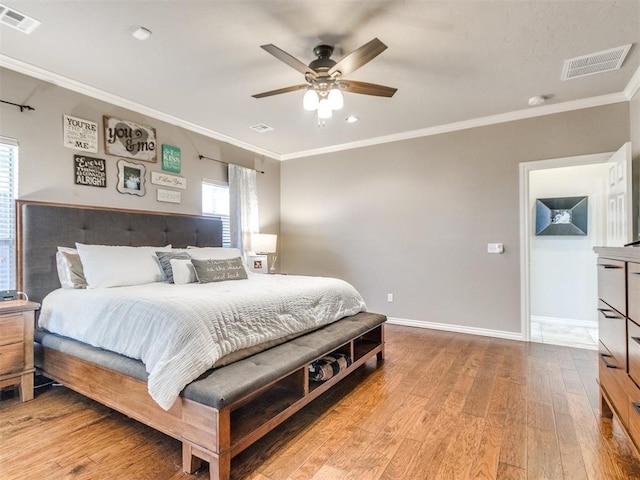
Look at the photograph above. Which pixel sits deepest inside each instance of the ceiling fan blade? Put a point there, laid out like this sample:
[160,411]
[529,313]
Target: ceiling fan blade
[289,60]
[358,57]
[367,88]
[280,90]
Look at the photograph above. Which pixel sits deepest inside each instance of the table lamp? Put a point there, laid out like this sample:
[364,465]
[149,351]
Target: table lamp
[266,244]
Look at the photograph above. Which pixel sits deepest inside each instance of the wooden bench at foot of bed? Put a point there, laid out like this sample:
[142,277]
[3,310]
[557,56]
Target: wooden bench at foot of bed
[227,409]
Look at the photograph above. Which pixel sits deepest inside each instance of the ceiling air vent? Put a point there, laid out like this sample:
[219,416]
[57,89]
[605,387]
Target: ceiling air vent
[593,63]
[261,128]
[17,20]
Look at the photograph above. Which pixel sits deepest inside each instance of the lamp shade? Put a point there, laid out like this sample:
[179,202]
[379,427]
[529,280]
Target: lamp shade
[336,100]
[324,109]
[310,100]
[264,242]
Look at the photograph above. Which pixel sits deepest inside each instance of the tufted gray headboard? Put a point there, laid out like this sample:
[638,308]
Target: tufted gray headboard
[42,227]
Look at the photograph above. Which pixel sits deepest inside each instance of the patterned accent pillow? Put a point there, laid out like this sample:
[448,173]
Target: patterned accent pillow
[165,262]
[219,270]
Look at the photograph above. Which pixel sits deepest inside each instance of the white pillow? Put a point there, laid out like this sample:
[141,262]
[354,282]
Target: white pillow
[116,266]
[183,271]
[213,253]
[69,266]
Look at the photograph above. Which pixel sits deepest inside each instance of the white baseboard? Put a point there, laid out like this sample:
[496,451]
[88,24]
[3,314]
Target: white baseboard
[485,332]
[572,322]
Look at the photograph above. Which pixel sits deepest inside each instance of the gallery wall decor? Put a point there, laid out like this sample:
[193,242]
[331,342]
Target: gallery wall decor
[562,216]
[171,159]
[129,139]
[168,196]
[89,171]
[166,180]
[80,134]
[131,178]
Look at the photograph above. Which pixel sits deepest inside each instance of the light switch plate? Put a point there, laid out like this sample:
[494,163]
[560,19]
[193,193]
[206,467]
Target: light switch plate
[495,247]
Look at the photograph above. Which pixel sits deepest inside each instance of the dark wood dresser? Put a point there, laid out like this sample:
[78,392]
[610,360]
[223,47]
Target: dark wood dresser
[619,334]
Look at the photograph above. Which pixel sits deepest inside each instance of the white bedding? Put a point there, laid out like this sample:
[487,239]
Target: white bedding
[180,331]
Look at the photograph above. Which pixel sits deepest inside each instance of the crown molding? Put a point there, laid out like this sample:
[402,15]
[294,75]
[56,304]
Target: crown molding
[633,86]
[21,67]
[68,83]
[466,124]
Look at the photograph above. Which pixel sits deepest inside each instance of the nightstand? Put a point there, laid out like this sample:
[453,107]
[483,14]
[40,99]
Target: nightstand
[16,345]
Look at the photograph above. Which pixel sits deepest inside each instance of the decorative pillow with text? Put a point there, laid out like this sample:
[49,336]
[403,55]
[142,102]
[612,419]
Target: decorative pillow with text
[219,270]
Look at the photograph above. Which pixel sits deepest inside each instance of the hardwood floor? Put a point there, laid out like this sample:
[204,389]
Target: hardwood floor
[442,406]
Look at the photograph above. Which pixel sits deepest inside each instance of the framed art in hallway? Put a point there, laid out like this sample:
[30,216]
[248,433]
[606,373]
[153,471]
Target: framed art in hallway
[562,216]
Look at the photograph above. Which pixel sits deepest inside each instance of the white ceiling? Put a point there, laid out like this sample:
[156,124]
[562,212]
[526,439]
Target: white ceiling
[455,63]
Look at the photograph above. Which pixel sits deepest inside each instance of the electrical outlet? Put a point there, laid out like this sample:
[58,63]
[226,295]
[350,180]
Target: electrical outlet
[390,297]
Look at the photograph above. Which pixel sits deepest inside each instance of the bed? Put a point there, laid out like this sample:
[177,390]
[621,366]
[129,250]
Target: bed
[223,410]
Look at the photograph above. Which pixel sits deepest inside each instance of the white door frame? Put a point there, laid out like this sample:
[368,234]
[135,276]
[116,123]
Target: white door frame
[526,222]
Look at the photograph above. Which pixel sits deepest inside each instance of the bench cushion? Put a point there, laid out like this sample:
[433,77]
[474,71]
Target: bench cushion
[222,386]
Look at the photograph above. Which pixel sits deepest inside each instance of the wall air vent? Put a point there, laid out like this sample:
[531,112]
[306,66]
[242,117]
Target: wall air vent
[261,128]
[593,63]
[17,20]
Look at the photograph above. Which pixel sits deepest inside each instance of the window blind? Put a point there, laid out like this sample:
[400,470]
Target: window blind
[8,193]
[215,202]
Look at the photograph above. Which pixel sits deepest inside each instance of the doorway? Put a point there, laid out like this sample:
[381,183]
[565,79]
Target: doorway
[558,273]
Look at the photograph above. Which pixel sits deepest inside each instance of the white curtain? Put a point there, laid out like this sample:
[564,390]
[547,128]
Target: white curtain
[243,206]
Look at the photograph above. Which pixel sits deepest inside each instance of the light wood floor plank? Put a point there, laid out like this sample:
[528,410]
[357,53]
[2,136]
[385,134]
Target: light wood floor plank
[442,405]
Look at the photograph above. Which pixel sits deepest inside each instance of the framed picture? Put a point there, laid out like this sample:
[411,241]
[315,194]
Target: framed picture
[80,134]
[166,180]
[258,263]
[561,216]
[128,139]
[89,171]
[171,159]
[168,196]
[131,178]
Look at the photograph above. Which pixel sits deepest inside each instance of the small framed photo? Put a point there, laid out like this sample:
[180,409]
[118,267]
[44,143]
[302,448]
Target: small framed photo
[258,263]
[131,178]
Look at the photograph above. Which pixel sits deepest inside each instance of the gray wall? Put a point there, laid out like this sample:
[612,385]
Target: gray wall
[413,218]
[46,166]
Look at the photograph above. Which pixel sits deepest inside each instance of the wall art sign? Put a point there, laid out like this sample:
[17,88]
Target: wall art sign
[562,216]
[90,171]
[168,196]
[80,134]
[171,159]
[128,139]
[166,180]
[131,178]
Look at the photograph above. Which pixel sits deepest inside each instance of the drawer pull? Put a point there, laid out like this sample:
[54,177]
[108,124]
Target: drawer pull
[609,265]
[603,357]
[634,273]
[604,311]
[636,339]
[636,405]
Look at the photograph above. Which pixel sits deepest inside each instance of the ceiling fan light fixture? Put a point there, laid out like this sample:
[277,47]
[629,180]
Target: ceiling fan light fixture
[336,98]
[310,100]
[324,109]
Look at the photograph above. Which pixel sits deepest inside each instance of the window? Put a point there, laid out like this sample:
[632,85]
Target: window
[8,194]
[215,202]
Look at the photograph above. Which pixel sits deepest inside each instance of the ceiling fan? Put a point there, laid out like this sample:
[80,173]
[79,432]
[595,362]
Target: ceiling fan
[324,76]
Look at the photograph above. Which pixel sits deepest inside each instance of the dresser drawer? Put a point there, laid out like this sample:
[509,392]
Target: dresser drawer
[612,283]
[11,358]
[633,291]
[634,351]
[612,332]
[11,329]
[612,380]
[633,426]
